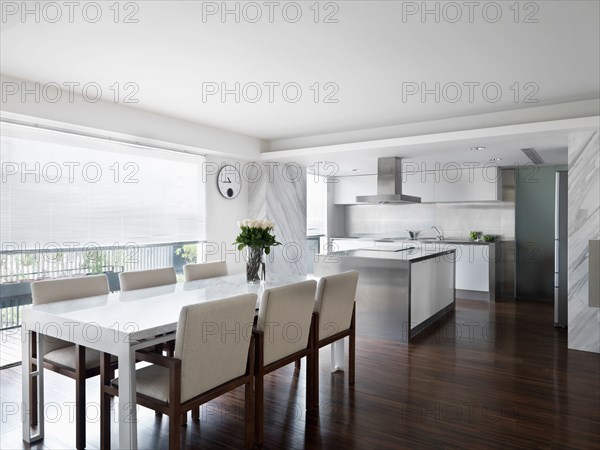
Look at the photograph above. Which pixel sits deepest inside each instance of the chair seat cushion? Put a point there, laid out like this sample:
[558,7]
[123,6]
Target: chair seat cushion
[151,381]
[66,357]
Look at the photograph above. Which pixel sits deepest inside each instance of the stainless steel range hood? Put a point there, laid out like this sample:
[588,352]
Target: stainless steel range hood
[389,184]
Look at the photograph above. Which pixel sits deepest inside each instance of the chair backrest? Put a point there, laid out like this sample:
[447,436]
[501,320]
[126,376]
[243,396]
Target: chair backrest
[49,291]
[212,341]
[335,300]
[141,279]
[284,318]
[202,271]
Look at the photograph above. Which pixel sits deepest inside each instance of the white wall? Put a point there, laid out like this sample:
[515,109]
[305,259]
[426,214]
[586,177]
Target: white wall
[222,216]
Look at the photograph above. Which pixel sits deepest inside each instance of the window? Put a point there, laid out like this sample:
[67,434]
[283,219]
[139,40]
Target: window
[67,191]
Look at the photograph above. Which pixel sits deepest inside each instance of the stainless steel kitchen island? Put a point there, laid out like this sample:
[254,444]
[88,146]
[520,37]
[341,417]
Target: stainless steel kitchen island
[401,290]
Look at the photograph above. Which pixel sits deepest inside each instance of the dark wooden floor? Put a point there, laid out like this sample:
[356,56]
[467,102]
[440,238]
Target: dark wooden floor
[488,376]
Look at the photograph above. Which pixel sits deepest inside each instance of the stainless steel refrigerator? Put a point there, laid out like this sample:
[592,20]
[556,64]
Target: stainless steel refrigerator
[560,250]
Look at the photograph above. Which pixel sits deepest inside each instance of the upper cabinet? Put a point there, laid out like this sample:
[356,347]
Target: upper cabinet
[419,184]
[469,185]
[348,188]
[449,185]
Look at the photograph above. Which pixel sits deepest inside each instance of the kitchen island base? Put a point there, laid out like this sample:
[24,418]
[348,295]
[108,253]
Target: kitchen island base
[399,294]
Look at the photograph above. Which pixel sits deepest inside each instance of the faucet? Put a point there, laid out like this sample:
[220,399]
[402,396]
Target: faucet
[440,236]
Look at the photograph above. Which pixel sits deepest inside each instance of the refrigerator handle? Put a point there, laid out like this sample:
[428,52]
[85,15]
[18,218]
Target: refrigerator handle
[556,256]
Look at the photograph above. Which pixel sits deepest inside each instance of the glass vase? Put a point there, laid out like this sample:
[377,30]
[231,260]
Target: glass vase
[254,265]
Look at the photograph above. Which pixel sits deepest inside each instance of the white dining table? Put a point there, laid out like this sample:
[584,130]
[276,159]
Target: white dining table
[121,323]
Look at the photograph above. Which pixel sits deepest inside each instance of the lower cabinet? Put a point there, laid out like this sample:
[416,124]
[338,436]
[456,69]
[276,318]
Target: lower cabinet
[475,267]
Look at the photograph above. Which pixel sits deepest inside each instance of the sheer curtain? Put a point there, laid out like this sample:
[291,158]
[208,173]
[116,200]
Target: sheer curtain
[68,191]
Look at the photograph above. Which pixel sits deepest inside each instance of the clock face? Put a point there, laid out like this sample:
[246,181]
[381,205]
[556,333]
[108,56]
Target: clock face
[229,182]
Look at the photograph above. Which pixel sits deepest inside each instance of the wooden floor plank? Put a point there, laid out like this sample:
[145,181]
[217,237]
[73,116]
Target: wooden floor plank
[490,375]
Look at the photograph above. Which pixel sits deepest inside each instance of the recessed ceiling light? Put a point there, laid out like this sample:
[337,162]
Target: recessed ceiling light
[478,148]
[495,159]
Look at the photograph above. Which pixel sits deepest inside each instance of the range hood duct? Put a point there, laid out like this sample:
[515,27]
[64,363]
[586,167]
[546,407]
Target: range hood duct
[389,184]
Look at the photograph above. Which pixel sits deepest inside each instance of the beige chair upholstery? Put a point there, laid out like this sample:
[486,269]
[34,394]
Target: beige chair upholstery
[335,302]
[283,335]
[335,320]
[202,271]
[212,342]
[49,291]
[214,354]
[61,356]
[284,317]
[141,279]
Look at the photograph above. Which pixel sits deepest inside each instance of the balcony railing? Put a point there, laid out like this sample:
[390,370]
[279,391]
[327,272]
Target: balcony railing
[19,268]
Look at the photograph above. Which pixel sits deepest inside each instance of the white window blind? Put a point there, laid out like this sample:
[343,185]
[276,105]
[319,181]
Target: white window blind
[65,190]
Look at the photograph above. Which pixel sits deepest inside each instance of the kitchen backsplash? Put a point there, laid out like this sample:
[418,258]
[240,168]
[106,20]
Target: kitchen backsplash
[455,220]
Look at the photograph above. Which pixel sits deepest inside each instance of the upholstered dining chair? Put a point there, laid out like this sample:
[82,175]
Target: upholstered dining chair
[141,279]
[65,358]
[335,318]
[201,271]
[205,366]
[283,333]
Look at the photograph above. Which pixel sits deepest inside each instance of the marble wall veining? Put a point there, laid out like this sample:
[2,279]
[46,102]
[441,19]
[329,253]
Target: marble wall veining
[584,225]
[280,196]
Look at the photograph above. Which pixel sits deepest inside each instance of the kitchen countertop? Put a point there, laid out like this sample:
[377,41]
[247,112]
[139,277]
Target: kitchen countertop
[418,241]
[406,254]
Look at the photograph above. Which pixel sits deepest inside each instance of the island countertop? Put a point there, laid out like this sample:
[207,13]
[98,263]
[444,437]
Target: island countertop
[401,253]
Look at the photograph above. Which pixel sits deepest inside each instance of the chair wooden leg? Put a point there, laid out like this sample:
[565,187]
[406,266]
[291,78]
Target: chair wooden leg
[259,391]
[315,378]
[298,364]
[259,415]
[310,384]
[196,413]
[184,419]
[352,348]
[106,375]
[174,431]
[351,358]
[249,414]
[80,397]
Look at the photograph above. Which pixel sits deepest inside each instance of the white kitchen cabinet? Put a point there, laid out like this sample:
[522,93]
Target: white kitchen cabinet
[468,185]
[348,188]
[420,184]
[475,266]
[447,185]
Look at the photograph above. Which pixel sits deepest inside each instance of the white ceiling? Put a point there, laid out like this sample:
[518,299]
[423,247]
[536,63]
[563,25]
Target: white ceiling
[369,53]
[551,146]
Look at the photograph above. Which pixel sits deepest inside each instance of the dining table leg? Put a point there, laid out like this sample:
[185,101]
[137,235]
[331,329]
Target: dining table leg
[127,399]
[337,355]
[32,386]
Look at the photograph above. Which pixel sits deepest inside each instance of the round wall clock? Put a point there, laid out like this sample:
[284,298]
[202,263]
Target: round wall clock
[229,182]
